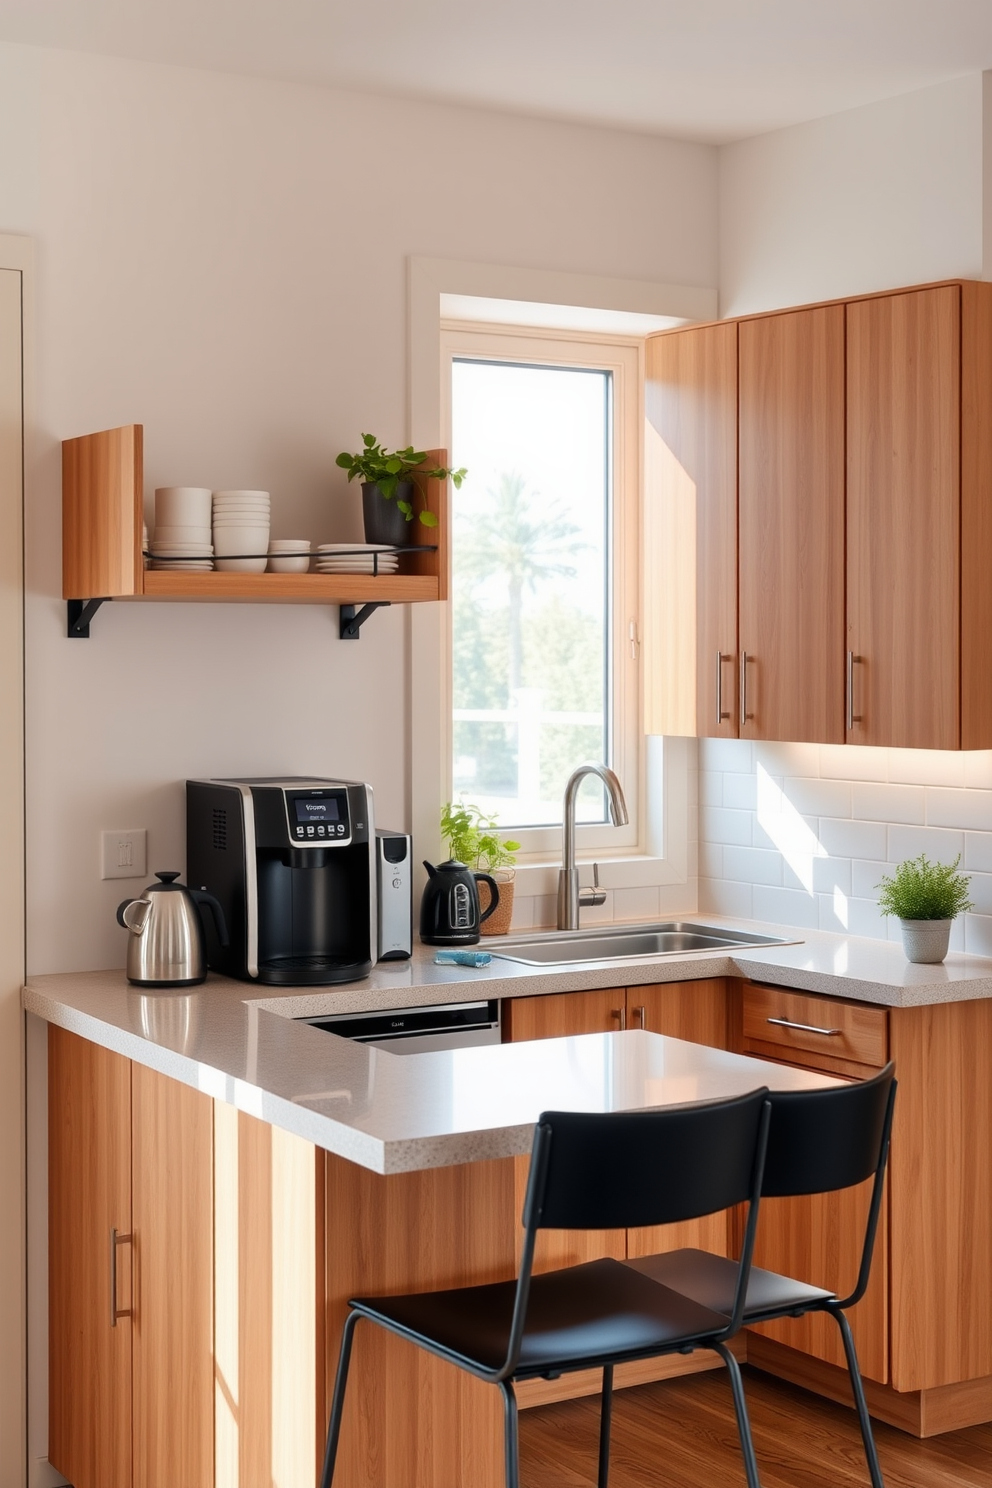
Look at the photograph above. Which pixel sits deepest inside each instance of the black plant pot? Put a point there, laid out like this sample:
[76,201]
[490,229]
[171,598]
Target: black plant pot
[384,522]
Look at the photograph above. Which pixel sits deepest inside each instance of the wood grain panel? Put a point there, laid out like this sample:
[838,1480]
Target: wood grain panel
[437,500]
[690,563]
[976,516]
[411,1419]
[89,1167]
[903,533]
[941,1195]
[861,1038]
[791,570]
[172,1368]
[313,588]
[102,482]
[558,1016]
[275,1396]
[697,1011]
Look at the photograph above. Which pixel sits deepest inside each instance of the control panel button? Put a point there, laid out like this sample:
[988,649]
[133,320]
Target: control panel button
[340,829]
[320,831]
[299,831]
[311,831]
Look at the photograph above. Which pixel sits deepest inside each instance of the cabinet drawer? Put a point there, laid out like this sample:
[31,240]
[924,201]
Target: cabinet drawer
[822,1031]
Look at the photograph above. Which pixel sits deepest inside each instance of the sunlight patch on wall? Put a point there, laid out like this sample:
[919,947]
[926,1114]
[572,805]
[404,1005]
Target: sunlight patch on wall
[795,840]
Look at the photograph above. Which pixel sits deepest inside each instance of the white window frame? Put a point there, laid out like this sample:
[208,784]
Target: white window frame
[622,358]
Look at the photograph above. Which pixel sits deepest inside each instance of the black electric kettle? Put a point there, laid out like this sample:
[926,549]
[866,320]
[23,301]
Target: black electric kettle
[449,910]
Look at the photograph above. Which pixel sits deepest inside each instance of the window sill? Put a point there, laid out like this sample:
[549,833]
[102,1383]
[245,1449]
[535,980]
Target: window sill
[632,872]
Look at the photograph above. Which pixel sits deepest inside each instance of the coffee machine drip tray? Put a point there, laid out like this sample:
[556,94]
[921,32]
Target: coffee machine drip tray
[311,971]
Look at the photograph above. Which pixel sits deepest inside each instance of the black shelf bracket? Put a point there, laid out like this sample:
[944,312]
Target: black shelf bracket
[80,612]
[352,618]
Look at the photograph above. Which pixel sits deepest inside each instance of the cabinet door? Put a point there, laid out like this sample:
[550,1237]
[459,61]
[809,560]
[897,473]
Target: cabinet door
[700,1013]
[690,532]
[172,1367]
[903,527]
[792,526]
[817,1238]
[89,1195]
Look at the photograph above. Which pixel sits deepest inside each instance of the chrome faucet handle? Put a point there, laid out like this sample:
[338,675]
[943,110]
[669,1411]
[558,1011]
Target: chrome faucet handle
[588,898]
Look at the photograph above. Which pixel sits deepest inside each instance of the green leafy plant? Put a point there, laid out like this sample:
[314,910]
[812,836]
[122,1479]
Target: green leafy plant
[921,890]
[377,466]
[473,838]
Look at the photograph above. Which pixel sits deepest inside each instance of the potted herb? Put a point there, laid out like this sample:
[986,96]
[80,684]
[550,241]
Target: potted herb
[926,897]
[389,490]
[473,838]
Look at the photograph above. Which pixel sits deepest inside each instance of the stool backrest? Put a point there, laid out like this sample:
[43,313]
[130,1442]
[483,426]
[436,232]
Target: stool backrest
[628,1168]
[821,1140]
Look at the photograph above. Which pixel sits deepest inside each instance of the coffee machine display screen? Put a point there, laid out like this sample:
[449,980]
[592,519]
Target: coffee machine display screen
[319,818]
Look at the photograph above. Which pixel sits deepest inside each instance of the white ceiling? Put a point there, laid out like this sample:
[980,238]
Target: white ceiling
[712,70]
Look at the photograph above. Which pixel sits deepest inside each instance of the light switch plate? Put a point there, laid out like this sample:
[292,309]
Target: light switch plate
[124,854]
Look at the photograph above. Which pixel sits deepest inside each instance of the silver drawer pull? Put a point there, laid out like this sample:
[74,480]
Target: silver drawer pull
[805,1027]
[115,1311]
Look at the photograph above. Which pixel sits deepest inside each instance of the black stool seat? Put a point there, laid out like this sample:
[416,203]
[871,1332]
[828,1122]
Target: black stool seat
[576,1319]
[710,1280]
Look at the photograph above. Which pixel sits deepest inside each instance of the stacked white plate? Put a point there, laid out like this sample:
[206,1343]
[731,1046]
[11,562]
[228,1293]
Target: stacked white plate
[356,558]
[241,530]
[182,540]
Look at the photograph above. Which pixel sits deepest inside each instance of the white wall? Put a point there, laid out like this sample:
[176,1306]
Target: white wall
[801,834]
[876,197]
[214,262]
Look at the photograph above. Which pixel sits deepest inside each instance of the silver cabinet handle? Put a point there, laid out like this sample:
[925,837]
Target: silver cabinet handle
[745,715]
[621,1016]
[115,1311]
[852,717]
[806,1027]
[641,1017]
[720,714]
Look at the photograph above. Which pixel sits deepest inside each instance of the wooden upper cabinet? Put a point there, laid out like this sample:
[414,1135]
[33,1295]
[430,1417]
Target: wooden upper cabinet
[690,532]
[904,532]
[792,525]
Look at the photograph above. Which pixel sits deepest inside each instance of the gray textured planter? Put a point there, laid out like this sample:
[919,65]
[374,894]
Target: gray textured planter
[925,941]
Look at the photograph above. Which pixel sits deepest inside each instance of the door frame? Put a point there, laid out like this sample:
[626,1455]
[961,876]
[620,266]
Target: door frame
[17,257]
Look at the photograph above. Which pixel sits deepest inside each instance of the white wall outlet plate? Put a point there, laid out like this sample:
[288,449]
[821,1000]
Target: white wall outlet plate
[124,854]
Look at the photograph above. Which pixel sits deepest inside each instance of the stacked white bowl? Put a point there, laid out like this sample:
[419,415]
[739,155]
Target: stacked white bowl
[182,537]
[241,530]
[289,554]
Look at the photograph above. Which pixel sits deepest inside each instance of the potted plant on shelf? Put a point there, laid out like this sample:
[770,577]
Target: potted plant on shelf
[389,490]
[926,897]
[473,838]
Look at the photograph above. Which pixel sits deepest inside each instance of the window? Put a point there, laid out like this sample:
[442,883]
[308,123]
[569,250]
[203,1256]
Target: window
[545,553]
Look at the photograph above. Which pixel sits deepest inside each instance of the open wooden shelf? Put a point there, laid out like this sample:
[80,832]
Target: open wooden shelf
[102,511]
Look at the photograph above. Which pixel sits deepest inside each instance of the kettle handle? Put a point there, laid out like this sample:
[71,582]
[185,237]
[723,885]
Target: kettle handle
[142,906]
[201,897]
[487,878]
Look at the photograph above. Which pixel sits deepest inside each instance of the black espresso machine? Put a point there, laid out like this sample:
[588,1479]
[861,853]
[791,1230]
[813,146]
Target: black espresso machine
[293,863]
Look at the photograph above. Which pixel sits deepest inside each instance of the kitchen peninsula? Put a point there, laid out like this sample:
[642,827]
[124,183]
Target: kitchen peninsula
[260,1171]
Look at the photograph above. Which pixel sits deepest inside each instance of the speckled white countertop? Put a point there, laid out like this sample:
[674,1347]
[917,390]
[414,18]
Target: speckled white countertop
[394,1113]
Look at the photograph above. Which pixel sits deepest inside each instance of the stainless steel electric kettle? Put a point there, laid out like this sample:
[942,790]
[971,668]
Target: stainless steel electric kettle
[165,944]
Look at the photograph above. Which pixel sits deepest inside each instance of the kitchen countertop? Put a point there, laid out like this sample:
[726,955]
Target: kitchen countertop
[394,1113]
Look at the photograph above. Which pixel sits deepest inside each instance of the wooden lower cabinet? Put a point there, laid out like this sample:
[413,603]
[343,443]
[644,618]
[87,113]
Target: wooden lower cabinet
[131,1397]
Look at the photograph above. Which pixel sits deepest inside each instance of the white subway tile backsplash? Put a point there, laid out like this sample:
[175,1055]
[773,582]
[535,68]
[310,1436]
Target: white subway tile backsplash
[926,767]
[740,792]
[711,787]
[978,768]
[888,803]
[788,759]
[726,754]
[636,904]
[939,845]
[786,906]
[819,797]
[853,839]
[978,934]
[978,851]
[717,824]
[865,918]
[980,892]
[720,896]
[853,762]
[711,860]
[971,809]
[834,913]
[866,875]
[752,865]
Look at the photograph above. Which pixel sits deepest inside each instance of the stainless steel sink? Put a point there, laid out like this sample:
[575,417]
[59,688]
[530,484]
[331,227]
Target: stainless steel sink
[669,939]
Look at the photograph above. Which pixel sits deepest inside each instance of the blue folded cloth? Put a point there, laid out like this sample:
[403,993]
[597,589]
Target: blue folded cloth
[462,958]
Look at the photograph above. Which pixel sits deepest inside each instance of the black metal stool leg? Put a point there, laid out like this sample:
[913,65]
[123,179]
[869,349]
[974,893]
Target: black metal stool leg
[605,1419]
[743,1420]
[337,1405]
[510,1435]
[861,1404]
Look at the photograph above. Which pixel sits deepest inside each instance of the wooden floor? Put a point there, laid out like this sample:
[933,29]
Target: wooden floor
[681,1434]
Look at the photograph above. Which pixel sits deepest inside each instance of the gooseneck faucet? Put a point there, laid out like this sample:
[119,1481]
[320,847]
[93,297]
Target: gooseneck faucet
[570,897]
